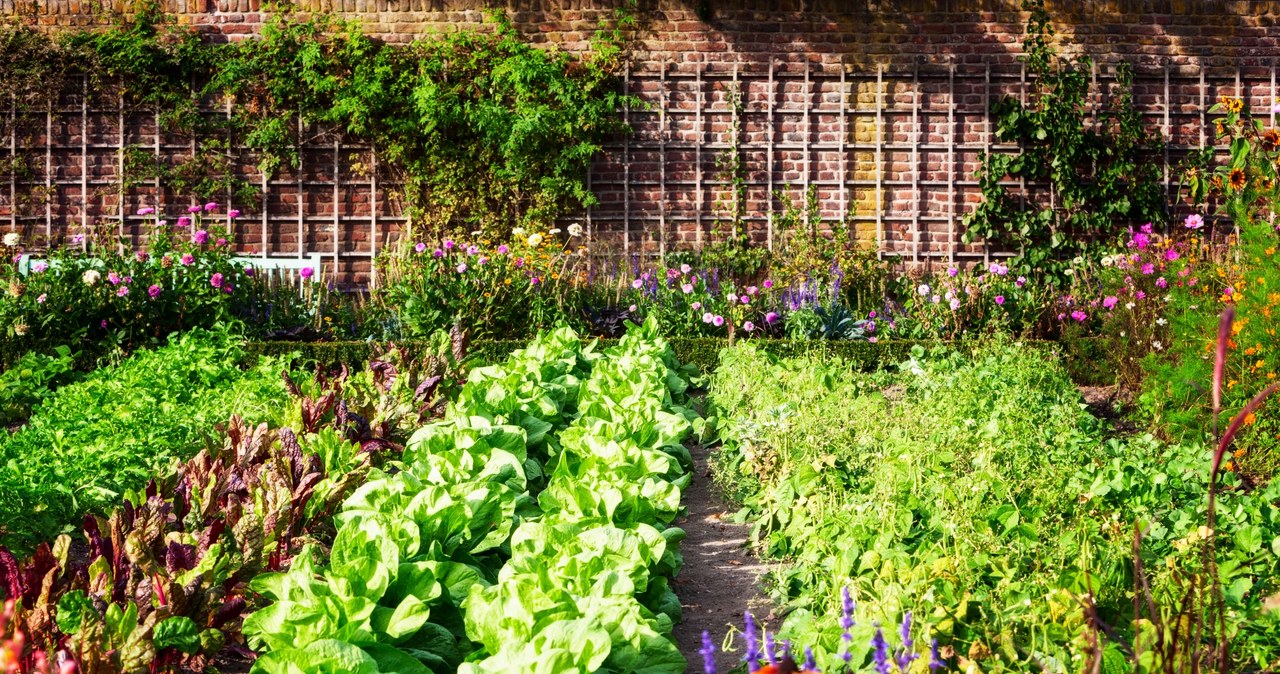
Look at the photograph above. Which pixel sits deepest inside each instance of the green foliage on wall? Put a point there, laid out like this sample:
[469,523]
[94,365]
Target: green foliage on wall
[1100,170]
[480,129]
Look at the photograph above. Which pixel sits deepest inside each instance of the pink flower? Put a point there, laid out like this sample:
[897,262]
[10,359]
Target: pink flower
[955,303]
[1140,241]
[211,207]
[999,299]
[222,241]
[114,278]
[184,221]
[633,308]
[462,267]
[142,256]
[1022,280]
[745,299]
[1194,221]
[686,288]
[228,288]
[685,269]
[420,247]
[752,290]
[1146,229]
[146,210]
[696,306]
[1161,283]
[871,314]
[154,291]
[233,213]
[771,317]
[41,299]
[187,260]
[473,249]
[873,339]
[1140,295]
[437,253]
[216,280]
[1148,268]
[952,272]
[482,261]
[40,267]
[535,281]
[749,326]
[201,237]
[248,271]
[502,250]
[193,209]
[707,317]
[306,272]
[449,244]
[717,321]
[768,283]
[637,284]
[1079,316]
[1171,255]
[519,262]
[122,291]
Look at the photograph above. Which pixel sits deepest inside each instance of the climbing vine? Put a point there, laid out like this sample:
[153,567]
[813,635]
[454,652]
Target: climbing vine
[479,129]
[1100,170]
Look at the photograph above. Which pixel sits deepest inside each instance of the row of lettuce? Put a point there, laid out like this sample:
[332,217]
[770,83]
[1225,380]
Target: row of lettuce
[528,527]
[526,531]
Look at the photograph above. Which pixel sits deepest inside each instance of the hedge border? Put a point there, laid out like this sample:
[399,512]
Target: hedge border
[1084,359]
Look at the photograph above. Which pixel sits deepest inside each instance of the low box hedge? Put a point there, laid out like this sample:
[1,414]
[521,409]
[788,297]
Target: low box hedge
[1084,359]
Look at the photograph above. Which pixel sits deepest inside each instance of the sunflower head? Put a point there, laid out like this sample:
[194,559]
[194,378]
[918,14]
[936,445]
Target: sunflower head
[1237,179]
[1271,140]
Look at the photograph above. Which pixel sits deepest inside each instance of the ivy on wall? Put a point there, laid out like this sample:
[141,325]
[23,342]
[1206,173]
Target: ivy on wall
[482,130]
[1101,170]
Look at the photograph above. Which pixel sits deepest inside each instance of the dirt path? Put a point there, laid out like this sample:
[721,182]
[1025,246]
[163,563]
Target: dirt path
[719,579]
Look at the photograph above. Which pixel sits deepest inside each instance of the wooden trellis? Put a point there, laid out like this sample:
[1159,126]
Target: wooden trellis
[890,150]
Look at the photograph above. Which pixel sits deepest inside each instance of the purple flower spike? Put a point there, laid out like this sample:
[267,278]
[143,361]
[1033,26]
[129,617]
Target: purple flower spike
[708,652]
[907,654]
[810,664]
[881,653]
[935,659]
[770,648]
[753,645]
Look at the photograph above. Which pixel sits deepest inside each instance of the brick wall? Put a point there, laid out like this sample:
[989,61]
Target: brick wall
[878,105]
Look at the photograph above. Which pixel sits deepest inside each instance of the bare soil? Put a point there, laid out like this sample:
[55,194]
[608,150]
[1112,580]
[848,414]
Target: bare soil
[720,578]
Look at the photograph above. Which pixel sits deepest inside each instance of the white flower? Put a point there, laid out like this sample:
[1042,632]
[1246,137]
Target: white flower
[12,239]
[535,239]
[1161,321]
[518,231]
[1108,261]
[923,289]
[554,230]
[477,233]
[91,277]
[1157,345]
[1069,272]
[575,230]
[1129,305]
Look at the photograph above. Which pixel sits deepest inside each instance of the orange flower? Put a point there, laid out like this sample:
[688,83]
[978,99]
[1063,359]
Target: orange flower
[1250,418]
[1237,179]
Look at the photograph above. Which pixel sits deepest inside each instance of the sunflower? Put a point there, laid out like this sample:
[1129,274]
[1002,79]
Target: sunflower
[1271,140]
[1235,105]
[1237,179]
[1215,183]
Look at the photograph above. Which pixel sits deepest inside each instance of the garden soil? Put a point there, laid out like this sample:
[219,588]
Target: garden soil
[720,578]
